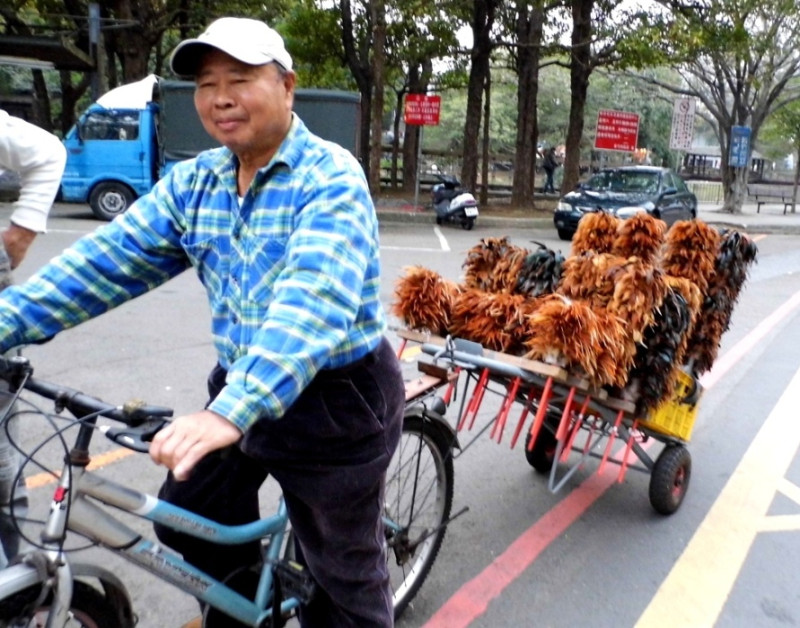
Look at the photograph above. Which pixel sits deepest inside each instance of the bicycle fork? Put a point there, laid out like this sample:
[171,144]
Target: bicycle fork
[58,570]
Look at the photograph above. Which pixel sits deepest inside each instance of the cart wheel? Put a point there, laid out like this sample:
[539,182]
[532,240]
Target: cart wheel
[543,453]
[669,479]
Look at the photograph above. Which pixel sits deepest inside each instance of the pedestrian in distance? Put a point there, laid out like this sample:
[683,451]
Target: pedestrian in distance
[38,158]
[549,165]
[280,227]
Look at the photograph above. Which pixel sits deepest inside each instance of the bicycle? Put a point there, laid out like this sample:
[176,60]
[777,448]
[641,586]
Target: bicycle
[46,587]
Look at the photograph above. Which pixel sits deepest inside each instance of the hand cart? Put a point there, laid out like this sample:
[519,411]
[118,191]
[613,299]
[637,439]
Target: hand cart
[564,422]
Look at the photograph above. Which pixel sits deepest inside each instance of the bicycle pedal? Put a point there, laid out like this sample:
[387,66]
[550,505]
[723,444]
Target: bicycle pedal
[295,580]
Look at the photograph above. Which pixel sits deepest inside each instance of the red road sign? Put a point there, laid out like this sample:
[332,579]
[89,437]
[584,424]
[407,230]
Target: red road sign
[422,109]
[616,130]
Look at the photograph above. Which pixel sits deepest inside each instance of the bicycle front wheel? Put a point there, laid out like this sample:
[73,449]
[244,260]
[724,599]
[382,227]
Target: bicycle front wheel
[419,495]
[89,609]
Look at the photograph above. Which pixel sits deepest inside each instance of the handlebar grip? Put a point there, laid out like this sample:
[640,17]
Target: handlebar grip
[137,412]
[135,438]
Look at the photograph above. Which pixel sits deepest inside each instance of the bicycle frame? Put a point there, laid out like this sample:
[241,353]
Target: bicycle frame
[84,517]
[84,502]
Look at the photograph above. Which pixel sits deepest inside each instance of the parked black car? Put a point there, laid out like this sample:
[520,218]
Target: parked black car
[625,191]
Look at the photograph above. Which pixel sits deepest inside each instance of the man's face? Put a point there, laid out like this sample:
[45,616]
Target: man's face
[245,107]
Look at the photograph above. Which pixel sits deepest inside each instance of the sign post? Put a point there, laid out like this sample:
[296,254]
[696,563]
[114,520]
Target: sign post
[421,110]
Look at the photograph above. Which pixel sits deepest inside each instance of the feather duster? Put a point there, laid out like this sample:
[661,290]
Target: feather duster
[617,351]
[736,253]
[653,376]
[571,334]
[640,236]
[493,265]
[638,291]
[592,277]
[508,269]
[690,250]
[596,232]
[540,272]
[424,300]
[495,320]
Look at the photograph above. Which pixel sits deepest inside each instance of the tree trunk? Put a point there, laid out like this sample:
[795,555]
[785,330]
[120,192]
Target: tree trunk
[487,111]
[134,43]
[70,94]
[529,36]
[796,176]
[362,74]
[41,101]
[482,21]
[378,10]
[398,114]
[580,68]
[410,150]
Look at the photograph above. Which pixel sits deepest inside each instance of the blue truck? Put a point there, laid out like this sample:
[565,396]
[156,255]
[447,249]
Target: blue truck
[123,143]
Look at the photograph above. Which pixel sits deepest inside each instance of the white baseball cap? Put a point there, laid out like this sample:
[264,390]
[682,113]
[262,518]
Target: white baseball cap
[250,41]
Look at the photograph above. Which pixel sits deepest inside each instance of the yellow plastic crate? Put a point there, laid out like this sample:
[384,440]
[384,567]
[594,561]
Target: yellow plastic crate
[675,417]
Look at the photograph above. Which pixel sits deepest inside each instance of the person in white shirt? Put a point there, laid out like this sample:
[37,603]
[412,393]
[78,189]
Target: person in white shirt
[38,157]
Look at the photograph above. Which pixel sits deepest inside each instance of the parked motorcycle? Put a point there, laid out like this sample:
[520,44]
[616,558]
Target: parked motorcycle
[452,203]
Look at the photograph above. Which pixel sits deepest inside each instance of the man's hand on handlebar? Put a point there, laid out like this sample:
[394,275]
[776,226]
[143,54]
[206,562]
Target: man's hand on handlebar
[184,442]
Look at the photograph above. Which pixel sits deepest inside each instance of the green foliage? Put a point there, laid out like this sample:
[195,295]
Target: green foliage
[781,133]
[319,59]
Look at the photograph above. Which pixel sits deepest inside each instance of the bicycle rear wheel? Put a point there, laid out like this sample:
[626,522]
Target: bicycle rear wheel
[419,495]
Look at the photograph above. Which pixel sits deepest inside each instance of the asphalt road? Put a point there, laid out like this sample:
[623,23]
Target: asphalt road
[593,554]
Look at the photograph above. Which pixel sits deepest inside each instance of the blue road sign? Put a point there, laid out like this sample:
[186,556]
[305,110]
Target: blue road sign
[740,146]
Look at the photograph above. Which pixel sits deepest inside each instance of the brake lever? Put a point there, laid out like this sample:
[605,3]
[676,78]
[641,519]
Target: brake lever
[135,438]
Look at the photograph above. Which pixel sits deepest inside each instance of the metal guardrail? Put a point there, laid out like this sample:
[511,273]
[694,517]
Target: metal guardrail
[707,191]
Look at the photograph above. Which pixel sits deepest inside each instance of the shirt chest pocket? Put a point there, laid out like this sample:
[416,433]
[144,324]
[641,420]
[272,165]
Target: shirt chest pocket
[211,260]
[265,260]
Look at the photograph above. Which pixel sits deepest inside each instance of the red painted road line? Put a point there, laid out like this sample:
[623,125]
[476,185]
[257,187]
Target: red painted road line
[473,598]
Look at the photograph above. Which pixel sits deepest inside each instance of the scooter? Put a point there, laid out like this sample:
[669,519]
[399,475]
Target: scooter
[452,203]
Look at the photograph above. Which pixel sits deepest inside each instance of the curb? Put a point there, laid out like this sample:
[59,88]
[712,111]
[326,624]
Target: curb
[423,217]
[389,216]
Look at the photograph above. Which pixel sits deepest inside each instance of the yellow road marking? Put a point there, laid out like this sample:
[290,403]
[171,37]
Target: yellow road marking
[98,462]
[695,591]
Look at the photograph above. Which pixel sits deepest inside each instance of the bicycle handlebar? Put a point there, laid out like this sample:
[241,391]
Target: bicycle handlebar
[142,420]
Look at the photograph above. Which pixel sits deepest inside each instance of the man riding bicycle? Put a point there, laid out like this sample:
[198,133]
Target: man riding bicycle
[281,230]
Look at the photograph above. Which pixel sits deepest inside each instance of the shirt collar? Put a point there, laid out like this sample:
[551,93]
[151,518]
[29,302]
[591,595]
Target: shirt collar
[289,153]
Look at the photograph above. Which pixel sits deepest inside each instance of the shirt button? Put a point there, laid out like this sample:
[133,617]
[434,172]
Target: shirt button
[235,319]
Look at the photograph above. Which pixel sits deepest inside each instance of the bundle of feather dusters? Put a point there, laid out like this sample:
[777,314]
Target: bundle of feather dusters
[735,255]
[622,310]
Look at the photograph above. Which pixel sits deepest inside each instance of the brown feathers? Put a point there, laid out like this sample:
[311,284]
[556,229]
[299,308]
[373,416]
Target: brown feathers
[596,232]
[493,265]
[424,300]
[495,320]
[570,333]
[690,250]
[640,236]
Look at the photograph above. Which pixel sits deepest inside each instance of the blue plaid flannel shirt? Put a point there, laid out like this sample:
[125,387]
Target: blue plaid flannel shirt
[292,274]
